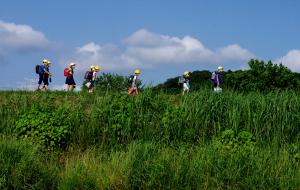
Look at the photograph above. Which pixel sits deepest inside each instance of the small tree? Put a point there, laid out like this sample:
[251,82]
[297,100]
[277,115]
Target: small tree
[198,80]
[108,82]
[262,77]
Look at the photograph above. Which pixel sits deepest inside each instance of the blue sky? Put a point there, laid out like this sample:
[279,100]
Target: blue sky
[163,38]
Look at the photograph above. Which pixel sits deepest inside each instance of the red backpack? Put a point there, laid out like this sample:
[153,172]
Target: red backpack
[67,72]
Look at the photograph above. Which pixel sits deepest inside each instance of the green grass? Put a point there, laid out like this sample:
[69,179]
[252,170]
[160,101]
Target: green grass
[24,167]
[154,141]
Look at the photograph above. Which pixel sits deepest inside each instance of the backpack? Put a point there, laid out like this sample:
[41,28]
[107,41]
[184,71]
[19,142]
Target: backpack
[213,76]
[130,79]
[88,75]
[67,72]
[37,69]
[180,81]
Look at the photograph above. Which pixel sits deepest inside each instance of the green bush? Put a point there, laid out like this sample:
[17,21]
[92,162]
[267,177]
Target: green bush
[235,142]
[108,83]
[45,127]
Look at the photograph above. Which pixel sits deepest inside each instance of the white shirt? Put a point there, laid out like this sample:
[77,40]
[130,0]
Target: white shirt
[94,76]
[133,85]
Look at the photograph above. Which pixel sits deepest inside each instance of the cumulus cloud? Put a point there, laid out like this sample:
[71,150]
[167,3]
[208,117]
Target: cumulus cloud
[145,49]
[291,60]
[157,48]
[20,38]
[234,52]
[109,57]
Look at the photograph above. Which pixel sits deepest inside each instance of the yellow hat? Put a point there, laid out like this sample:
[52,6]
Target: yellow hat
[137,71]
[96,68]
[186,73]
[220,68]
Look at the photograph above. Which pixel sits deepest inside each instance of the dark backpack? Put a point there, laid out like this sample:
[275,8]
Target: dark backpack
[130,79]
[37,69]
[88,75]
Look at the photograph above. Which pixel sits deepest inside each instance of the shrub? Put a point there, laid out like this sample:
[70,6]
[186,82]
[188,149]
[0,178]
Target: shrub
[234,142]
[45,127]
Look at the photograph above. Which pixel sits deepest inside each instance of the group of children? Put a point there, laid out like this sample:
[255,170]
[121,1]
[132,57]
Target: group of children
[91,77]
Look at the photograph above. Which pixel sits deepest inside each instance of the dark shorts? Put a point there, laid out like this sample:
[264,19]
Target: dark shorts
[215,84]
[93,83]
[70,80]
[43,79]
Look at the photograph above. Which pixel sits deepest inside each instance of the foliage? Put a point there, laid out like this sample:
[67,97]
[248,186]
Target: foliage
[262,77]
[153,141]
[117,118]
[108,82]
[78,177]
[112,83]
[235,142]
[198,81]
[48,128]
[22,167]
[149,165]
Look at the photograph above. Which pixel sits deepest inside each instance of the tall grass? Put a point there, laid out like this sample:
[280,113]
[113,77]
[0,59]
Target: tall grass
[119,119]
[158,141]
[23,167]
[150,166]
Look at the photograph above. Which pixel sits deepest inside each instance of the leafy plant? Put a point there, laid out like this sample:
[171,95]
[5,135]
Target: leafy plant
[234,142]
[108,82]
[262,77]
[47,128]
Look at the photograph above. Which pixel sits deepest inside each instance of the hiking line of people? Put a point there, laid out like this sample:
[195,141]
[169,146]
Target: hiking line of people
[216,79]
[90,76]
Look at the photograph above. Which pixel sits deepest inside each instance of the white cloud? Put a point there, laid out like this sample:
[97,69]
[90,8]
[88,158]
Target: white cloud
[20,38]
[109,57]
[91,48]
[234,52]
[146,49]
[291,60]
[156,48]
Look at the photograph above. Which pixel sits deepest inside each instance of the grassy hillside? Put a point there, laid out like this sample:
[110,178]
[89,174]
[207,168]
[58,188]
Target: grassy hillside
[152,141]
